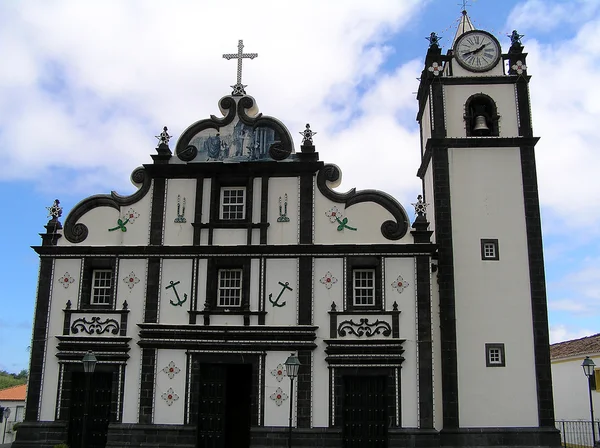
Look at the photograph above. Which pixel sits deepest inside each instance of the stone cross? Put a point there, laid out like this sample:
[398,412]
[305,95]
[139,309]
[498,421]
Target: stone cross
[238,88]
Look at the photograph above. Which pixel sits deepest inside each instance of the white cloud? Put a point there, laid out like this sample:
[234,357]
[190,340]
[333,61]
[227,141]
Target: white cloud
[560,333]
[545,15]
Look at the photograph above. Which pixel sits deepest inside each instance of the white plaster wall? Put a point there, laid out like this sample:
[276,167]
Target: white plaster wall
[175,270]
[256,202]
[438,393]
[180,234]
[5,435]
[278,415]
[365,217]
[493,303]
[230,237]
[570,387]
[100,219]
[254,283]
[426,120]
[285,271]
[503,95]
[283,232]
[59,297]
[323,297]
[135,299]
[202,283]
[163,412]
[407,303]
[206,201]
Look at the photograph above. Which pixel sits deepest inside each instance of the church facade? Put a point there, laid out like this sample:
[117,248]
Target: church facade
[236,250]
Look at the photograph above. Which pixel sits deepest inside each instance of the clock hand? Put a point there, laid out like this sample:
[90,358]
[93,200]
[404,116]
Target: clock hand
[477,50]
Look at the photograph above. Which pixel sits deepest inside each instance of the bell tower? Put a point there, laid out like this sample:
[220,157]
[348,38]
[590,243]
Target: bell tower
[479,178]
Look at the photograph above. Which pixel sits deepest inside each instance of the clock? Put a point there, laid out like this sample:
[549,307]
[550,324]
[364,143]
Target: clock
[477,51]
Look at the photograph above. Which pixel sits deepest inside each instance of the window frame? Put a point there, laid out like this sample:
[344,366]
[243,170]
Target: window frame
[493,347]
[222,203]
[361,264]
[356,288]
[218,185]
[214,265]
[240,288]
[90,265]
[94,289]
[494,242]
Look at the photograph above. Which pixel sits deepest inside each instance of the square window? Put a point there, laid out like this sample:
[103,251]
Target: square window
[101,287]
[489,249]
[494,354]
[233,203]
[229,289]
[364,287]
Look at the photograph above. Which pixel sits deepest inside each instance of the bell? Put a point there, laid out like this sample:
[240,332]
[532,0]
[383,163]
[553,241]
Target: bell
[480,124]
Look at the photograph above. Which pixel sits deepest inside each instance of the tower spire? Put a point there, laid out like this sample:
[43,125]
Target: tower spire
[464,25]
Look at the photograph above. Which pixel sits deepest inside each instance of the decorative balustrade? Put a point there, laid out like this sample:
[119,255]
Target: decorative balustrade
[91,322]
[364,323]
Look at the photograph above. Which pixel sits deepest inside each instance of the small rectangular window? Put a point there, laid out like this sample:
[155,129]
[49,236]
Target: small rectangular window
[494,355]
[364,287]
[233,203]
[489,249]
[101,286]
[229,287]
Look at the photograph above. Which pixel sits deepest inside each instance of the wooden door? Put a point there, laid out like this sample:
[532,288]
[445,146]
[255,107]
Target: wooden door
[364,418]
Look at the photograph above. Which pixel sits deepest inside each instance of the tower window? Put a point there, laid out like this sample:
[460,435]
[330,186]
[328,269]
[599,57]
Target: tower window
[489,249]
[364,287]
[233,203]
[101,286]
[494,355]
[230,287]
[481,116]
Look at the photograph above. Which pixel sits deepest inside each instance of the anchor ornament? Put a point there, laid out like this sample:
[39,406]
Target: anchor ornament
[285,286]
[179,302]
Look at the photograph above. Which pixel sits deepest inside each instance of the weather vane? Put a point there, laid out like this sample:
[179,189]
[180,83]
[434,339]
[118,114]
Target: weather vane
[163,137]
[307,135]
[238,88]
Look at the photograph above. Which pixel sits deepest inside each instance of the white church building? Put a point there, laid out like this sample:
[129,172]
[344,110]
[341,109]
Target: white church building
[237,250]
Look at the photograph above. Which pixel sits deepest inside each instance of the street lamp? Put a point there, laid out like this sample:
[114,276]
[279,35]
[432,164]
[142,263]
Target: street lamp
[292,364]
[588,368]
[89,365]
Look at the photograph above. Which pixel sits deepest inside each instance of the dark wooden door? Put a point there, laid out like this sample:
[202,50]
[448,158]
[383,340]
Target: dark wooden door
[100,392]
[364,417]
[224,406]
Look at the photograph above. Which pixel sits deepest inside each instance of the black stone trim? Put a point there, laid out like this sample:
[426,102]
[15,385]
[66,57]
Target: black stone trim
[333,319]
[107,349]
[364,352]
[152,290]
[38,343]
[505,437]
[306,208]
[434,144]
[277,436]
[291,168]
[479,80]
[78,232]
[392,230]
[438,124]
[264,207]
[443,230]
[158,211]
[194,299]
[304,389]
[537,282]
[147,385]
[424,344]
[270,251]
[40,434]
[305,293]
[198,209]
[157,436]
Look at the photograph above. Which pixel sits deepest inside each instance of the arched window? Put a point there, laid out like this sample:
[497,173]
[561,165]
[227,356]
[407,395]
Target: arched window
[481,116]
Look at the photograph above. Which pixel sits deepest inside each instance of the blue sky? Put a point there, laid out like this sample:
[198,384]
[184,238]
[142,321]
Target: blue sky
[87,85]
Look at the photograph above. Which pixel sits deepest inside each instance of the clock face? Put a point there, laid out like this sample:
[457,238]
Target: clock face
[477,51]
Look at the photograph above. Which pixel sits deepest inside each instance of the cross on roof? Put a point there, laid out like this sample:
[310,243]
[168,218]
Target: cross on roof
[238,88]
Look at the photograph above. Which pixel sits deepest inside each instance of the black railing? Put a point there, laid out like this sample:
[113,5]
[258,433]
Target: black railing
[577,433]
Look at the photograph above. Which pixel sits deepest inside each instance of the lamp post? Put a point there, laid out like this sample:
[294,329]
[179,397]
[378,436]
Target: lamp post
[588,368]
[89,365]
[292,364]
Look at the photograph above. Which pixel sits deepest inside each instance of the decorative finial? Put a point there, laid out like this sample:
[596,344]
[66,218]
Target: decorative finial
[307,135]
[55,210]
[164,137]
[420,206]
[433,40]
[515,38]
[238,88]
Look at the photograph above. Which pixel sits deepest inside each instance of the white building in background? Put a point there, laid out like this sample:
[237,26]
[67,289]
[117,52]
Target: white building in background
[12,400]
[237,250]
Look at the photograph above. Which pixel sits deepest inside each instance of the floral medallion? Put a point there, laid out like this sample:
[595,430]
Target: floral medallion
[170,396]
[336,216]
[328,280]
[436,69]
[279,396]
[171,370]
[399,284]
[131,280]
[279,372]
[519,67]
[66,280]
[131,215]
